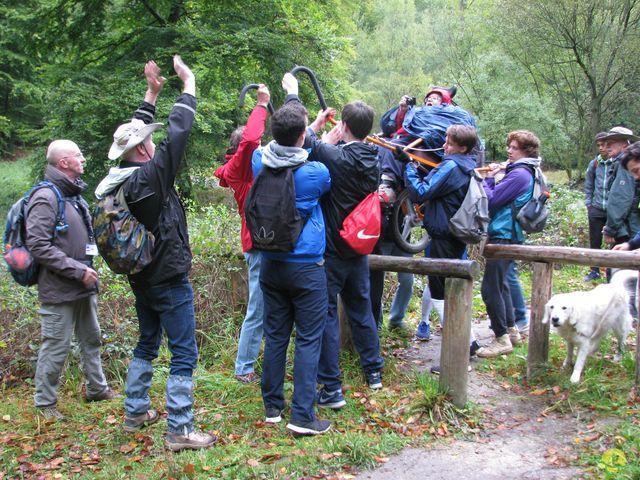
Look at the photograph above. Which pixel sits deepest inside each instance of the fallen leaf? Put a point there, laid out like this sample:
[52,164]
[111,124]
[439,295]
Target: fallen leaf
[189,469]
[539,391]
[111,420]
[128,448]
[253,463]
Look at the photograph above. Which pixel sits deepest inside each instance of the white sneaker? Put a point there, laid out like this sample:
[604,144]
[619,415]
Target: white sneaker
[499,346]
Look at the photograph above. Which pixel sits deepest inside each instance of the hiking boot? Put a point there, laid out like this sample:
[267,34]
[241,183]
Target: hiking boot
[273,415]
[499,346]
[133,424]
[374,379]
[193,440]
[106,394]
[423,332]
[592,276]
[251,377]
[52,413]
[514,336]
[303,429]
[473,348]
[334,400]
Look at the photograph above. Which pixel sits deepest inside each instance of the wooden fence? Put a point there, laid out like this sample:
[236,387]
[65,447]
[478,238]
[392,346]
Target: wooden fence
[454,355]
[543,259]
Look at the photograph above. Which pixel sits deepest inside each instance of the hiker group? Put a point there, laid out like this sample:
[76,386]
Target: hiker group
[312,207]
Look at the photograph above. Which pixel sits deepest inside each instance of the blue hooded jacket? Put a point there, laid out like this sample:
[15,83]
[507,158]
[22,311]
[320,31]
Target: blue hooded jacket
[442,191]
[311,181]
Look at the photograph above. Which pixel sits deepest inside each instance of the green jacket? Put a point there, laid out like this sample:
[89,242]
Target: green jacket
[623,216]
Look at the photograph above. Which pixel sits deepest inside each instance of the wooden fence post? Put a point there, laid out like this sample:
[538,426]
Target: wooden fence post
[454,353]
[638,333]
[538,353]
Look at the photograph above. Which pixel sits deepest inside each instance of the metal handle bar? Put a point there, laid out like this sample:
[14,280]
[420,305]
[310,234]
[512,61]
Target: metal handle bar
[243,93]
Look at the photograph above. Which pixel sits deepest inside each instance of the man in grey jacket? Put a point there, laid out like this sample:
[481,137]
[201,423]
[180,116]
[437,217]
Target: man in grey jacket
[623,217]
[598,178]
[67,283]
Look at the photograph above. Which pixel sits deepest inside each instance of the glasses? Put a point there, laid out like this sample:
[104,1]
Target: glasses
[76,155]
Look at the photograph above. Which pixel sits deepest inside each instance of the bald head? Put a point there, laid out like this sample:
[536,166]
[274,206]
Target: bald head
[66,156]
[59,149]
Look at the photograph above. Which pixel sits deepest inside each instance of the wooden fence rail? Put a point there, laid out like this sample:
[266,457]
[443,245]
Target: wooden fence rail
[542,282]
[454,354]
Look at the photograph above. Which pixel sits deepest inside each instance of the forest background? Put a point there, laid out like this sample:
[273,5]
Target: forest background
[564,69]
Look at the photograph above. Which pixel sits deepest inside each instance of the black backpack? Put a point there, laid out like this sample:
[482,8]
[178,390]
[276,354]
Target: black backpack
[22,266]
[270,211]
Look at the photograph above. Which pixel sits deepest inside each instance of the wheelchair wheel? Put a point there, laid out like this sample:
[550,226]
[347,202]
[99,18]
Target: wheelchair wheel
[408,232]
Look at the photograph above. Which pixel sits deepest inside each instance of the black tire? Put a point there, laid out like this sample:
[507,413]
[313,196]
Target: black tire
[408,232]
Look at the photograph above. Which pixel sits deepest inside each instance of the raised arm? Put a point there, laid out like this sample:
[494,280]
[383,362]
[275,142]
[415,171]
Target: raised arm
[155,82]
[186,75]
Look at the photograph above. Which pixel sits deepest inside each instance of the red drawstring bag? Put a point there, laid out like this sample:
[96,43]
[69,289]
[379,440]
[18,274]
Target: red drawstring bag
[361,228]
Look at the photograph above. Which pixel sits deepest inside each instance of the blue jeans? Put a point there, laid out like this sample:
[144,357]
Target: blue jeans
[403,293]
[517,295]
[349,279]
[167,307]
[251,332]
[294,294]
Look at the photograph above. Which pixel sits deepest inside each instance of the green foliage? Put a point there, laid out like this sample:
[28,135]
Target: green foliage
[89,56]
[567,224]
[14,182]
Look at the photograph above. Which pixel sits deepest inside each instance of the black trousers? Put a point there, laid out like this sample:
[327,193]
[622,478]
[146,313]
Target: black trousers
[441,247]
[597,221]
[496,294]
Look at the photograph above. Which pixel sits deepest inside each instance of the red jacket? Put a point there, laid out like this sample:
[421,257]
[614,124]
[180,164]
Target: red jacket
[237,174]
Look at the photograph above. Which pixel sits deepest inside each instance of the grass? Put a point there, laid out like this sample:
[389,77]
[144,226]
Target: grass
[410,410]
[372,426]
[14,182]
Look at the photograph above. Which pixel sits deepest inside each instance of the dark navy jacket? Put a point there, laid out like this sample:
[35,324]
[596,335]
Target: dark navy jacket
[442,191]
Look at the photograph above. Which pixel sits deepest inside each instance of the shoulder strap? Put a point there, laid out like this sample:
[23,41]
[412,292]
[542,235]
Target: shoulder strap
[61,221]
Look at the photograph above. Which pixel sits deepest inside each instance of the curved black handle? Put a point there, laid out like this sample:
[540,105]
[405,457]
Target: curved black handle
[243,93]
[314,82]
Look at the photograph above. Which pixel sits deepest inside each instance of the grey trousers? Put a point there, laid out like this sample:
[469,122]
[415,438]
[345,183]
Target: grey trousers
[59,322]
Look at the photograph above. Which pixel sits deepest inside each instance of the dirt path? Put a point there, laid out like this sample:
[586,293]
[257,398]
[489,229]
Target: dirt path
[517,441]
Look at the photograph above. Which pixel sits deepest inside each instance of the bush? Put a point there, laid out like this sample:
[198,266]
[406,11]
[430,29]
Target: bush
[219,281]
[567,224]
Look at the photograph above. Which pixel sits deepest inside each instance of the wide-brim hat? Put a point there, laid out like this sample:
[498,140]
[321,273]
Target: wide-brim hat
[620,133]
[130,134]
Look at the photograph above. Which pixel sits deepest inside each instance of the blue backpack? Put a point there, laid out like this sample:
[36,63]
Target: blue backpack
[22,266]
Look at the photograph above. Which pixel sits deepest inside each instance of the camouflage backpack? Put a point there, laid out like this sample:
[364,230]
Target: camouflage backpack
[124,243]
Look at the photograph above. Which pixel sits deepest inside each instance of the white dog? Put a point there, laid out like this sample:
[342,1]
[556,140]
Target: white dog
[583,319]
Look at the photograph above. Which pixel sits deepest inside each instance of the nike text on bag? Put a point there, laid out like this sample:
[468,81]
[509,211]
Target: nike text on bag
[22,266]
[533,215]
[469,224]
[124,243]
[270,211]
[361,228]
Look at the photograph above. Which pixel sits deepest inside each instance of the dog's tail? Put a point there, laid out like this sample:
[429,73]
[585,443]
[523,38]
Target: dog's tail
[617,296]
